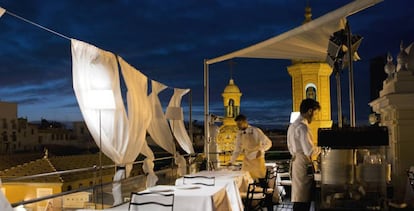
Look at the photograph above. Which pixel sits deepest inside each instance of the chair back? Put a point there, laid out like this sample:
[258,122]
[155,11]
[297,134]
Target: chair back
[199,180]
[271,175]
[254,199]
[410,174]
[160,201]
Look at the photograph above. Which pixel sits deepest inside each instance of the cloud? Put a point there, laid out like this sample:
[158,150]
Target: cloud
[168,42]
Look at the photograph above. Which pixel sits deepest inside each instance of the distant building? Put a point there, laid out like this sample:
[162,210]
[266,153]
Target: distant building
[19,190]
[18,135]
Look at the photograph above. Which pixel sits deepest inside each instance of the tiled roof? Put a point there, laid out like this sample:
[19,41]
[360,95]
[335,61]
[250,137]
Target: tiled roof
[13,160]
[58,163]
[62,163]
[38,166]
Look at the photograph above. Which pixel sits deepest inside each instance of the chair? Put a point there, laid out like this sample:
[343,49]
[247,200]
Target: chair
[163,201]
[273,196]
[199,180]
[410,174]
[253,199]
[284,183]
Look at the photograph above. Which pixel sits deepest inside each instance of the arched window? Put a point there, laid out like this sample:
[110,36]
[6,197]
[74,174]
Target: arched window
[310,91]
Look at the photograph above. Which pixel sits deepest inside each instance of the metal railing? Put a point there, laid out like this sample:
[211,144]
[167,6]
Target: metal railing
[95,189]
[136,183]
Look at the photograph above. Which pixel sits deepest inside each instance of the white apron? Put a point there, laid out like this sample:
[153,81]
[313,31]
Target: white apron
[301,183]
[256,167]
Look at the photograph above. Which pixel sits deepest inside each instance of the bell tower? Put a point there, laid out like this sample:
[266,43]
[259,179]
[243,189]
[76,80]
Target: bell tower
[231,99]
[310,79]
[227,132]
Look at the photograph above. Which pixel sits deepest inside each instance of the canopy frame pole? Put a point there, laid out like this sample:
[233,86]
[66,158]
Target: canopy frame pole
[351,76]
[206,114]
[338,95]
[190,116]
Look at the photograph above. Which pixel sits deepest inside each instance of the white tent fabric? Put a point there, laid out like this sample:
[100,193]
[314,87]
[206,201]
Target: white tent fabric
[139,107]
[139,113]
[181,165]
[148,166]
[177,124]
[158,128]
[2,11]
[4,203]
[306,42]
[117,186]
[97,89]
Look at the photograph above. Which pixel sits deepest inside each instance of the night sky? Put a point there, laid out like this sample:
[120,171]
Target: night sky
[168,41]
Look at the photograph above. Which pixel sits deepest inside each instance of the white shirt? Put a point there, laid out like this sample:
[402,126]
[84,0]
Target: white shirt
[299,137]
[250,141]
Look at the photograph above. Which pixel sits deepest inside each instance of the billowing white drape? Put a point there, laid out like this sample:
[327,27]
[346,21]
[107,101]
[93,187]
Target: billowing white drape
[177,123]
[97,90]
[139,107]
[2,11]
[148,166]
[158,128]
[139,115]
[4,203]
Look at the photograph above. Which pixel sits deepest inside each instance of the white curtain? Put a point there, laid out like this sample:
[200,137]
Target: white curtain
[177,121]
[139,107]
[139,115]
[2,11]
[159,130]
[97,90]
[4,203]
[148,166]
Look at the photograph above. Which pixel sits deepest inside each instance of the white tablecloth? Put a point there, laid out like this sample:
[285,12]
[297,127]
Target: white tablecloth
[233,181]
[194,197]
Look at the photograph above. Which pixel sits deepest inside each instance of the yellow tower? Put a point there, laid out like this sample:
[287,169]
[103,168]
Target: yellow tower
[227,132]
[310,79]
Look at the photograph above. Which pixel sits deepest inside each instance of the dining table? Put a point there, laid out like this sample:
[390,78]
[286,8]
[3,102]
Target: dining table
[234,182]
[188,198]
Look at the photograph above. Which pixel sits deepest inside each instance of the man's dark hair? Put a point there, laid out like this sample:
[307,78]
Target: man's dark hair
[240,117]
[307,104]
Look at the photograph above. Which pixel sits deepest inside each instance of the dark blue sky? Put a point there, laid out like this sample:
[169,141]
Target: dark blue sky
[168,40]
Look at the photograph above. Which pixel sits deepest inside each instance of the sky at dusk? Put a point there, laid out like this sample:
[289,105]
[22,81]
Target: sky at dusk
[167,40]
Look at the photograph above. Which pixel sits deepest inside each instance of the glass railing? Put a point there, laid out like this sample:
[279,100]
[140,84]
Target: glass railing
[100,196]
[96,197]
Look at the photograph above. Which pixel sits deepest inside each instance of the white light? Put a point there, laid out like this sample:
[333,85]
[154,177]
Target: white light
[293,116]
[101,99]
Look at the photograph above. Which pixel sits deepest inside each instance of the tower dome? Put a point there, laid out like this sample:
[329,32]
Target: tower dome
[231,87]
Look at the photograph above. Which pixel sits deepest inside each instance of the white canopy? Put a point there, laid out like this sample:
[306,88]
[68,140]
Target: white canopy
[306,42]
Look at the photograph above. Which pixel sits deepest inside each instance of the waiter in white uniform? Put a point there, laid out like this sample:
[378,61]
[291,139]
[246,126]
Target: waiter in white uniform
[300,145]
[253,142]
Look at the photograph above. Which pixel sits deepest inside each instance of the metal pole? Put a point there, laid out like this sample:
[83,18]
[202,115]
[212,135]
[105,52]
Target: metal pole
[190,118]
[206,116]
[100,156]
[351,77]
[338,96]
